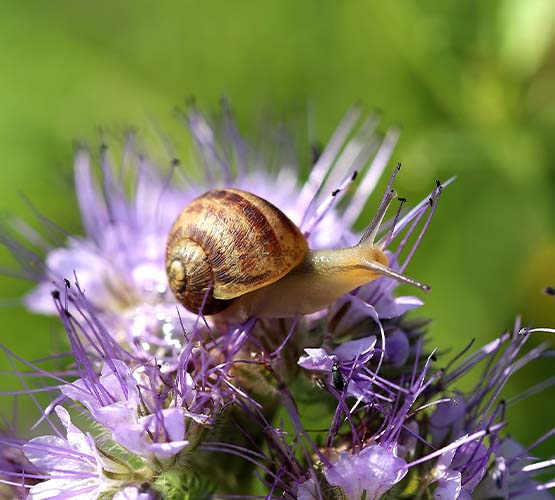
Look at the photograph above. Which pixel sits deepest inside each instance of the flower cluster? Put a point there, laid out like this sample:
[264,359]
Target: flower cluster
[154,401]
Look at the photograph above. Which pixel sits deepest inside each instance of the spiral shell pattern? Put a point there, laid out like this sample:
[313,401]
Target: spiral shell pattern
[229,242]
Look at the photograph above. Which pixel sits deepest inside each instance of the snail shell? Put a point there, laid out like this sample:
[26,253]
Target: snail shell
[227,243]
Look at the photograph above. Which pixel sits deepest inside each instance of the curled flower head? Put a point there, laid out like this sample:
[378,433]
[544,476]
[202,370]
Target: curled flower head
[120,261]
[457,450]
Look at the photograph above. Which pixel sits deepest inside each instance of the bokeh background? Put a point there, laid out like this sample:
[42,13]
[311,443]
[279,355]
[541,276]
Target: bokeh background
[472,83]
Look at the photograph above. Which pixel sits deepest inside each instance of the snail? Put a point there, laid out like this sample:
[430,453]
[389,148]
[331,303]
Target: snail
[232,252]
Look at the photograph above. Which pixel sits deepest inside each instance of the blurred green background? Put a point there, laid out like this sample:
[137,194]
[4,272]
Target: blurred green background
[472,83]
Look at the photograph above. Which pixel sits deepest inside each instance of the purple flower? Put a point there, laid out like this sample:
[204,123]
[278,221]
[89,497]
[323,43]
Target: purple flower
[368,474]
[170,395]
[72,466]
[113,399]
[472,460]
[318,359]
[348,358]
[119,261]
[449,480]
[512,475]
[371,300]
[374,470]
[457,452]
[17,474]
[159,435]
[447,420]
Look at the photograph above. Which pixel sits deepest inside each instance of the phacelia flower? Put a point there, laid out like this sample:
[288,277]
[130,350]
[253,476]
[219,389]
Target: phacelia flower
[368,474]
[75,467]
[343,403]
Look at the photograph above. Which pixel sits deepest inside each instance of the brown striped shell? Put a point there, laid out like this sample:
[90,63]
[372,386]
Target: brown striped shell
[233,242]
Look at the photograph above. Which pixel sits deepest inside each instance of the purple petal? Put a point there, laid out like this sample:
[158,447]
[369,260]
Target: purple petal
[471,459]
[449,480]
[121,388]
[397,348]
[316,359]
[160,435]
[449,486]
[389,307]
[447,420]
[354,312]
[54,489]
[91,203]
[374,470]
[360,348]
[308,491]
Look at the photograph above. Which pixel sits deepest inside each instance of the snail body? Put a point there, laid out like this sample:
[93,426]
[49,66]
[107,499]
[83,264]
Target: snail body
[234,252]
